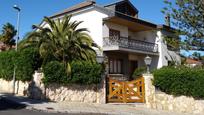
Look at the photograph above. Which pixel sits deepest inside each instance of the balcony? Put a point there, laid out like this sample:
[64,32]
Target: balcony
[117,43]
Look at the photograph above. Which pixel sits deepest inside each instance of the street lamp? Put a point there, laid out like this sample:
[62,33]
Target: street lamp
[18,22]
[148,61]
[17,37]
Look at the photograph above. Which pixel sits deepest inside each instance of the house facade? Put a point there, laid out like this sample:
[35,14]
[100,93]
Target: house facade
[125,39]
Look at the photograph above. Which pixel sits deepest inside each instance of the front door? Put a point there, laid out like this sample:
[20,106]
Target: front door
[133,66]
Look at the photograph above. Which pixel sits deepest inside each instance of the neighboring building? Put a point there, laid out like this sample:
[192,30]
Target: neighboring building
[193,63]
[125,39]
[2,46]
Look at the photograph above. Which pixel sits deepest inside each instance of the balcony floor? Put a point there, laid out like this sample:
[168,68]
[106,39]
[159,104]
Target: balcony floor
[118,49]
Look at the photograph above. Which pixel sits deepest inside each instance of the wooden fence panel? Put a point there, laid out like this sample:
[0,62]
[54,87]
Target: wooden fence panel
[126,91]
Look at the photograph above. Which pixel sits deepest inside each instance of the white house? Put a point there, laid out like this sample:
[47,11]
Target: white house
[125,38]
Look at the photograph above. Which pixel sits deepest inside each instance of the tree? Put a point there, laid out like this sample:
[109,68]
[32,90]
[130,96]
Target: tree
[8,33]
[197,55]
[63,41]
[188,18]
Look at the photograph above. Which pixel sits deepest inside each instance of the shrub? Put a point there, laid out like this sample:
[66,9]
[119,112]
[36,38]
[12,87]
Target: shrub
[54,72]
[83,72]
[26,62]
[7,64]
[138,72]
[180,81]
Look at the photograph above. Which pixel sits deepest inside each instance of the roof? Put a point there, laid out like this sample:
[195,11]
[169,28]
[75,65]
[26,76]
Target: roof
[120,2]
[74,8]
[193,61]
[89,3]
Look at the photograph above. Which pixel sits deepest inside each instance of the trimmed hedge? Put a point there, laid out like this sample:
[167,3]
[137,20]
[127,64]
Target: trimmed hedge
[180,81]
[26,62]
[82,72]
[54,73]
[7,64]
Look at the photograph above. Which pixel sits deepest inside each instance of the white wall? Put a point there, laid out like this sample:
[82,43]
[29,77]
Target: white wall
[164,54]
[148,36]
[108,25]
[92,20]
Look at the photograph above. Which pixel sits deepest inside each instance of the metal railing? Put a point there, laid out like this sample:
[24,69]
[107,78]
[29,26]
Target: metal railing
[125,42]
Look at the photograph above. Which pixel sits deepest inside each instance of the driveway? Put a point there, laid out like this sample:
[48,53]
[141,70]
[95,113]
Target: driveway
[36,107]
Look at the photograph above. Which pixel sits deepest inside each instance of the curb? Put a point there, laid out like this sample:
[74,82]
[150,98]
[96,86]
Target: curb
[68,112]
[46,110]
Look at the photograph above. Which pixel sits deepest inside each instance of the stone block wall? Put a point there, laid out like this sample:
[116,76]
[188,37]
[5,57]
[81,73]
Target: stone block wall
[159,100]
[7,87]
[55,92]
[74,93]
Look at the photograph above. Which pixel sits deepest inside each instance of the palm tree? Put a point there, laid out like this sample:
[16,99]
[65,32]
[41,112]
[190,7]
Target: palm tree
[63,40]
[7,36]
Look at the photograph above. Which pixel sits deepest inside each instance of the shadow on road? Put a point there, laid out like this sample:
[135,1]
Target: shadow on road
[22,100]
[8,104]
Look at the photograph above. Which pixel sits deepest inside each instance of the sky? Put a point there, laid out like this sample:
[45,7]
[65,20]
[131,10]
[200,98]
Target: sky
[33,11]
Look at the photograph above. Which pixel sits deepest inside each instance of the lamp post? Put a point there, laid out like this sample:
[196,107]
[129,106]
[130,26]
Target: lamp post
[16,48]
[148,61]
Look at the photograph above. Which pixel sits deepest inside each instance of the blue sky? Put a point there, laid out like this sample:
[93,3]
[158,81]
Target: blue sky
[33,11]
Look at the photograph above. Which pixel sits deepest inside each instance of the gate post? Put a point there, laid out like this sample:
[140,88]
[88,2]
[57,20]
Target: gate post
[149,90]
[101,93]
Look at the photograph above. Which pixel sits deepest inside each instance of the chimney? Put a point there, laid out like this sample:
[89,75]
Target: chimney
[168,20]
[92,1]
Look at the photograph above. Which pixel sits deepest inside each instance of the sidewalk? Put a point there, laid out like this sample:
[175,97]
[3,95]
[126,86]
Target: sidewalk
[76,107]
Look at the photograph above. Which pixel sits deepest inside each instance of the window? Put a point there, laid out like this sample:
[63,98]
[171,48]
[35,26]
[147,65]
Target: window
[114,33]
[115,66]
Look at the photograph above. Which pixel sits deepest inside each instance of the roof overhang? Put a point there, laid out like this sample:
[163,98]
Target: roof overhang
[167,28]
[133,24]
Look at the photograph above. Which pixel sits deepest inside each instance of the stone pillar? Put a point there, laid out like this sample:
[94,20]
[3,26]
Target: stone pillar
[101,92]
[36,89]
[149,91]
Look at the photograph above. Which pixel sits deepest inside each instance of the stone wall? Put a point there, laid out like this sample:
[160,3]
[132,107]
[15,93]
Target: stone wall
[74,93]
[7,87]
[55,92]
[159,100]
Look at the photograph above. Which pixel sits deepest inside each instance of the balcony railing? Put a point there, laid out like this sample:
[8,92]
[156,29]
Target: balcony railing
[128,43]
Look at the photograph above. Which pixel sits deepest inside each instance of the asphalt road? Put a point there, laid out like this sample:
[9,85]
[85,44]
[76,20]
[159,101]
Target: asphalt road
[11,108]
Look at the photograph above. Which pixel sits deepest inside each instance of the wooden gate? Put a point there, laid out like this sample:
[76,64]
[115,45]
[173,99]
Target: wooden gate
[126,91]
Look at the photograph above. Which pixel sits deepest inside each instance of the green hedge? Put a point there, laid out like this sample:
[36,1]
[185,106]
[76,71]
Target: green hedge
[26,62]
[83,72]
[54,73]
[180,81]
[7,64]
[138,72]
